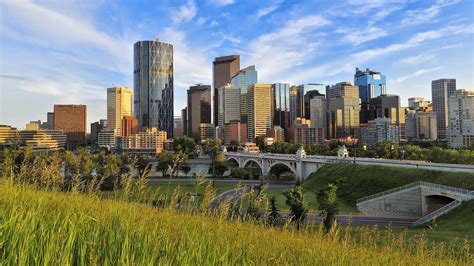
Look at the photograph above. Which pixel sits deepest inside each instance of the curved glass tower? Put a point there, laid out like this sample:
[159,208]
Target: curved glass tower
[153,85]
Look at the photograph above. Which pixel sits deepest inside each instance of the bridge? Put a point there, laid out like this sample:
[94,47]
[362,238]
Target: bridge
[302,165]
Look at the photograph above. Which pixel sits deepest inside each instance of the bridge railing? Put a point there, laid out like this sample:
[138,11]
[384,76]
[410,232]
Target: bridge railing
[433,215]
[415,184]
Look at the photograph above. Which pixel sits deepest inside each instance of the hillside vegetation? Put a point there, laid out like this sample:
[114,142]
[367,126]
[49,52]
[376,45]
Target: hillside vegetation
[355,181]
[56,228]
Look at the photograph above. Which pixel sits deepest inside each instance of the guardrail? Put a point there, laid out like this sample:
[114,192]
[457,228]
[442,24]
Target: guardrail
[433,215]
[415,184]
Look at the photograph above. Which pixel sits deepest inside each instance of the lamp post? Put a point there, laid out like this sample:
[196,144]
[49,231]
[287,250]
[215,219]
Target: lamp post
[364,147]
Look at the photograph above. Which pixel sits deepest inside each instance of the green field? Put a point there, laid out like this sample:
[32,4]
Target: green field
[56,228]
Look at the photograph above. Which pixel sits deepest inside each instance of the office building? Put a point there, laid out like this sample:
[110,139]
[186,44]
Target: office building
[300,99]
[311,91]
[461,119]
[223,69]
[129,126]
[71,119]
[33,125]
[37,140]
[229,105]
[371,84]
[107,138]
[234,130]
[149,142]
[379,130]
[184,118]
[318,114]
[50,120]
[119,104]
[343,110]
[302,133]
[415,103]
[277,133]
[259,109]
[441,90]
[206,131]
[153,85]
[388,106]
[96,127]
[281,117]
[9,137]
[178,127]
[199,109]
[242,80]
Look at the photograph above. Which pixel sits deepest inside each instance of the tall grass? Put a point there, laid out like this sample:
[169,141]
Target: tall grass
[54,228]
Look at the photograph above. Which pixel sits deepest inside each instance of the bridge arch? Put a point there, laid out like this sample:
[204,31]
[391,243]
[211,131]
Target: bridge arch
[290,166]
[233,160]
[247,165]
[436,201]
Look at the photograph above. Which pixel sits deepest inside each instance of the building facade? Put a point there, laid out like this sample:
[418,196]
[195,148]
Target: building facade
[199,109]
[119,104]
[229,105]
[318,114]
[281,92]
[343,110]
[371,84]
[107,138]
[71,119]
[223,69]
[461,119]
[441,90]
[129,125]
[379,130]
[300,99]
[149,142]
[388,106]
[96,127]
[236,131]
[153,85]
[242,80]
[260,110]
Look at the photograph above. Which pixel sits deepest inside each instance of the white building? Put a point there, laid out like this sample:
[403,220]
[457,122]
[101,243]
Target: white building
[461,119]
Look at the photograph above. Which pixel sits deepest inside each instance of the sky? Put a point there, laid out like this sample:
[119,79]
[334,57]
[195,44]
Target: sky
[69,52]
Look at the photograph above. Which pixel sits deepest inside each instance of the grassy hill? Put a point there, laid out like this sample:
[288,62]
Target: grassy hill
[356,181]
[54,228]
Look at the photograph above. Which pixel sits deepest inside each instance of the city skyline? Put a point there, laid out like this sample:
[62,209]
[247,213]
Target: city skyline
[288,42]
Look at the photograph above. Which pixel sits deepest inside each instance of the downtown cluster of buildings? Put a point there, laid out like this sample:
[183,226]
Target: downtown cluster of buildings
[238,108]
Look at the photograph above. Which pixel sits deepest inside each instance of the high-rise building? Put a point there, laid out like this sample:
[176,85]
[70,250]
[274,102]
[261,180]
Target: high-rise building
[184,118]
[242,80]
[318,114]
[96,127]
[206,131]
[119,104]
[229,105]
[282,105]
[178,126]
[343,110]
[223,69]
[441,90]
[299,99]
[235,130]
[415,103]
[50,120]
[379,130]
[259,110]
[199,109]
[426,125]
[461,119]
[129,125]
[148,142]
[33,125]
[71,119]
[310,90]
[388,106]
[371,84]
[153,85]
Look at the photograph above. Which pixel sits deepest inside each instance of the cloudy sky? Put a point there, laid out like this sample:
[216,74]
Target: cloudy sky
[68,51]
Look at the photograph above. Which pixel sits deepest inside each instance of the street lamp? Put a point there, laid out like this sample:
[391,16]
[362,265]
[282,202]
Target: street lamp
[364,147]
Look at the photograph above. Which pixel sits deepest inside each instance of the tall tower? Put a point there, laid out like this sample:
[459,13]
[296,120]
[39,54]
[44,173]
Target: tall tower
[119,104]
[199,108]
[259,109]
[242,80]
[441,90]
[153,85]
[223,69]
[371,84]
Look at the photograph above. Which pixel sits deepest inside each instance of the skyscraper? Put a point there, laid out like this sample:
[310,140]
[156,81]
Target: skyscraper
[229,105]
[281,92]
[119,104]
[299,99]
[129,126]
[199,108]
[318,114]
[71,119]
[441,90]
[242,80]
[259,109]
[224,68]
[343,110]
[461,119]
[184,119]
[371,84]
[388,106]
[153,85]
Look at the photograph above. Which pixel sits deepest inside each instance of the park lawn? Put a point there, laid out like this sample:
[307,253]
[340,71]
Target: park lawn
[310,197]
[186,187]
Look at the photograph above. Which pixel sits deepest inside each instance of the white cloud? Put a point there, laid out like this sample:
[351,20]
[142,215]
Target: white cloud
[287,47]
[231,38]
[366,6]
[415,74]
[356,36]
[213,24]
[221,2]
[427,14]
[202,20]
[185,13]
[267,10]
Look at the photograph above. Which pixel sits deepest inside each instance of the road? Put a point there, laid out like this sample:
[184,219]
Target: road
[222,181]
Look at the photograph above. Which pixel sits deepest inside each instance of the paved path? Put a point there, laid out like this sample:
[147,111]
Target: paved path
[221,181]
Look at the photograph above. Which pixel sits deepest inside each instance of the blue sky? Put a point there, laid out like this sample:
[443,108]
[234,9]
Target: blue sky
[71,51]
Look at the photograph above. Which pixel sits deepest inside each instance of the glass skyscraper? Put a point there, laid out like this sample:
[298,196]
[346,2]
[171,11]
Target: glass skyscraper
[371,84]
[242,80]
[153,85]
[282,105]
[299,99]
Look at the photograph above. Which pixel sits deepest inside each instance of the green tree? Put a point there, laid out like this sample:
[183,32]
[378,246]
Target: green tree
[297,204]
[185,168]
[220,168]
[274,217]
[233,146]
[163,162]
[279,169]
[259,141]
[212,148]
[327,204]
[141,164]
[186,145]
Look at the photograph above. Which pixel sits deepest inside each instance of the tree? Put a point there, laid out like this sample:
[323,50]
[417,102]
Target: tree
[274,217]
[212,148]
[297,204]
[185,168]
[220,168]
[169,163]
[141,164]
[278,170]
[259,141]
[163,161]
[185,145]
[233,145]
[327,204]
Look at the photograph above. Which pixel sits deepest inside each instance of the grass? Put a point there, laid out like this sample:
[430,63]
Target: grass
[55,228]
